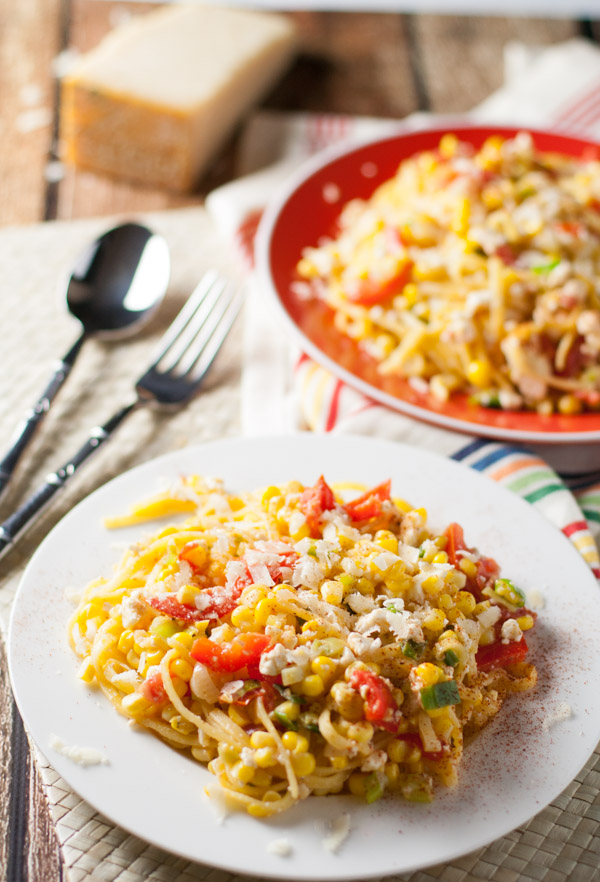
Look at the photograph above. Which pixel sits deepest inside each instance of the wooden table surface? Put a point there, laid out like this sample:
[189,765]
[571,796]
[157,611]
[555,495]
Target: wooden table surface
[364,63]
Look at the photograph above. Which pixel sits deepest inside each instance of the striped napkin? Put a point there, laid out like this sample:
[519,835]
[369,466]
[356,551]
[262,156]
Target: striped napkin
[285,390]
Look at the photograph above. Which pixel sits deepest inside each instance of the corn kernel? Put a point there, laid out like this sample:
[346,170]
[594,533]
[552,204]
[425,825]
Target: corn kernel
[183,638]
[265,757]
[348,702]
[332,591]
[356,783]
[87,671]
[135,704]
[256,810]
[242,772]
[398,750]
[465,602]
[155,658]
[313,685]
[481,607]
[304,764]
[180,686]
[569,404]
[269,493]
[423,514]
[386,540]
[402,504]
[237,715]
[365,586]
[428,674]
[445,601]
[242,617]
[468,567]
[448,145]
[133,659]
[301,533]
[179,724]
[125,643]
[289,709]
[525,622]
[392,774]
[264,609]
[295,742]
[339,762]
[261,778]
[479,373]
[487,637]
[262,739]
[431,585]
[435,620]
[187,595]
[440,558]
[361,732]
[229,753]
[324,666]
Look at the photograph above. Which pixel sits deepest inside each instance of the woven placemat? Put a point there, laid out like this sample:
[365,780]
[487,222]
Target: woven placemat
[561,843]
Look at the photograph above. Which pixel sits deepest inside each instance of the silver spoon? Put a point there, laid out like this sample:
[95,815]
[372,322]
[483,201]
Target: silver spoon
[116,284]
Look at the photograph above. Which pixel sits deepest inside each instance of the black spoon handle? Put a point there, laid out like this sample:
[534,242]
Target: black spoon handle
[32,508]
[32,420]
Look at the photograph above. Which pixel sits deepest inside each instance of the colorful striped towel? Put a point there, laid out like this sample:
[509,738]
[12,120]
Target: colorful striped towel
[283,389]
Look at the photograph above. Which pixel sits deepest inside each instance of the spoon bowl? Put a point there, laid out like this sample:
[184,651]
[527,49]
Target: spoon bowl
[119,280]
[116,284]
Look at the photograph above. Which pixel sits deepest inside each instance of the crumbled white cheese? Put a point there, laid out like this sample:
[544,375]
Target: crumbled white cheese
[83,756]
[360,603]
[272,662]
[375,761]
[535,599]
[279,847]
[562,712]
[402,624]
[362,646]
[510,631]
[338,832]
[489,617]
[307,573]
[247,757]
[132,609]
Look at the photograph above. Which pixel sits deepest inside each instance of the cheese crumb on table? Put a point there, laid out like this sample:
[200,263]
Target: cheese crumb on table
[338,833]
[161,93]
[83,756]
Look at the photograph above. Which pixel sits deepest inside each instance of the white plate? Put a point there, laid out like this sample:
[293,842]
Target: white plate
[511,772]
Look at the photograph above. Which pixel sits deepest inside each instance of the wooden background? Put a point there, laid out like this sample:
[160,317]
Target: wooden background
[376,64]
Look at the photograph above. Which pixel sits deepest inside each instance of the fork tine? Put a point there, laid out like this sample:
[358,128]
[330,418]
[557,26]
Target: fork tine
[205,331]
[185,315]
[207,354]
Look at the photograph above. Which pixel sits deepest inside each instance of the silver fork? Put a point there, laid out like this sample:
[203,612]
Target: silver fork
[184,356]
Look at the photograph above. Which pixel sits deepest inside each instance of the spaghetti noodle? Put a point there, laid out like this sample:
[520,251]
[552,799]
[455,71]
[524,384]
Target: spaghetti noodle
[475,272]
[298,643]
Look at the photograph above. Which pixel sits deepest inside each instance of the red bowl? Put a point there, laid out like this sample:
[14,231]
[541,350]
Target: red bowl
[307,209]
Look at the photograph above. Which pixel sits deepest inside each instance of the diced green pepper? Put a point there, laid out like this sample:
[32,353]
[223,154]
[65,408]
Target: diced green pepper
[411,649]
[289,695]
[440,695]
[509,592]
[373,787]
[450,658]
[546,267]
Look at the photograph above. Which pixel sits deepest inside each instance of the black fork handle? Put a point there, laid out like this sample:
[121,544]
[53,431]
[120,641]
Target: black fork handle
[28,513]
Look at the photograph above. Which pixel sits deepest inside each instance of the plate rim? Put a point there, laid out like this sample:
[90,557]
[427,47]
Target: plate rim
[262,247]
[153,464]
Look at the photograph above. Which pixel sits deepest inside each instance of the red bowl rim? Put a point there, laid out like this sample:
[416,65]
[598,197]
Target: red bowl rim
[264,248]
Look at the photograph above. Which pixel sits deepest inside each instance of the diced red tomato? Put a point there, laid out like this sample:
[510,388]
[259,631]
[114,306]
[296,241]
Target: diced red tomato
[195,554]
[371,292]
[171,607]
[456,542]
[506,253]
[270,696]
[498,655]
[571,228]
[153,690]
[314,501]
[245,649]
[487,571]
[369,505]
[380,705]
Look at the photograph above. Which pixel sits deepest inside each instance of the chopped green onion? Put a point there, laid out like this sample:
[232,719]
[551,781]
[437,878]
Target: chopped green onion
[421,552]
[312,551]
[289,695]
[373,787]
[440,695]
[509,592]
[285,720]
[411,649]
[546,267]
[166,629]
[450,658]
[347,580]
[310,721]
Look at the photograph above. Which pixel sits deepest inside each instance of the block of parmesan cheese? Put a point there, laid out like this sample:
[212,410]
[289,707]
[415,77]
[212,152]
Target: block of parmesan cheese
[155,100]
